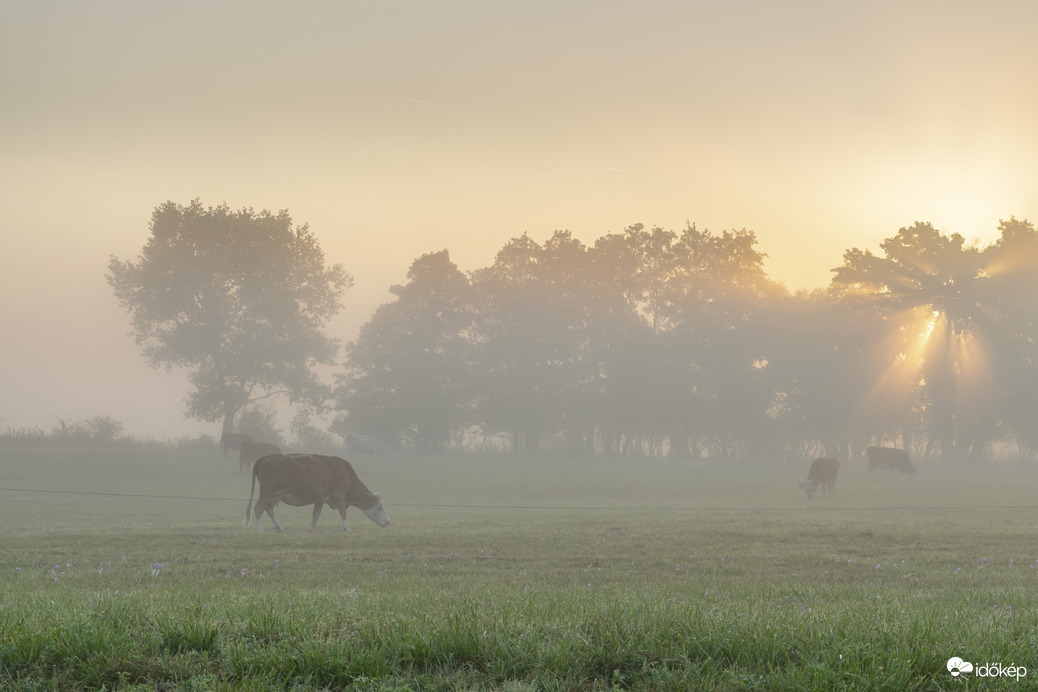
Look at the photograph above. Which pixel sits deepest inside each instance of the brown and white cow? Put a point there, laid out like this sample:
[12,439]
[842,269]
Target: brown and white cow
[311,479]
[251,451]
[232,441]
[888,458]
[822,473]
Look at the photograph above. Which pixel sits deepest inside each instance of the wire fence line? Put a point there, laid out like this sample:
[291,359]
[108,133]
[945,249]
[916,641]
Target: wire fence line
[814,508]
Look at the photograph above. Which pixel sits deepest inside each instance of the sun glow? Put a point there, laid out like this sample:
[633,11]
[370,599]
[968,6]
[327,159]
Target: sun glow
[928,352]
[928,329]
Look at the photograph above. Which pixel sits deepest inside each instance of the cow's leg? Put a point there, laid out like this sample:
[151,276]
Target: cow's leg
[269,509]
[342,513]
[258,511]
[317,513]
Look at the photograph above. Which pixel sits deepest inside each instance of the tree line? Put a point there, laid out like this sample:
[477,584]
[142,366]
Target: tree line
[647,342]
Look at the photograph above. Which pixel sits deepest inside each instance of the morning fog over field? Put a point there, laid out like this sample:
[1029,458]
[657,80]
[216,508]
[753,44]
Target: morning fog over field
[582,289]
[398,130]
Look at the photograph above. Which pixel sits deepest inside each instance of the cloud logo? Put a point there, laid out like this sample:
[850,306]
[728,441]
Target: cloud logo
[956,666]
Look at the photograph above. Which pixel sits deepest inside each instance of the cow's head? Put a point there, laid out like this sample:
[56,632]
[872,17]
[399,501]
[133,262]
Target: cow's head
[377,511]
[809,488]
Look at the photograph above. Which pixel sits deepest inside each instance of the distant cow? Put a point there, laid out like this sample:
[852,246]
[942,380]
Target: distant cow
[888,458]
[822,473]
[251,451]
[311,479]
[364,443]
[229,441]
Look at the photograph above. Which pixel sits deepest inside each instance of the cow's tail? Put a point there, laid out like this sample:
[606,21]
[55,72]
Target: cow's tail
[248,507]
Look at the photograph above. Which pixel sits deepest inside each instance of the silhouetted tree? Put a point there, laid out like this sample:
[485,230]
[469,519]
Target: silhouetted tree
[932,289]
[819,365]
[239,298]
[407,373]
[260,419]
[1011,318]
[717,286]
[518,360]
[639,399]
[656,342]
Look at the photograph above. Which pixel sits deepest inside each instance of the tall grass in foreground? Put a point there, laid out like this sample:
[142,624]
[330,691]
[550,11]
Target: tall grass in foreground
[737,637]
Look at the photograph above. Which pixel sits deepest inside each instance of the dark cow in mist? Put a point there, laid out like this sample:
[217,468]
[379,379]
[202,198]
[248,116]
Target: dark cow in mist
[311,479]
[252,451]
[822,473]
[232,441]
[888,458]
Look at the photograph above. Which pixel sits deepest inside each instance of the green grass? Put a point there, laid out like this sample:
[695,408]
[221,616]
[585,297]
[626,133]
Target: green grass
[513,574]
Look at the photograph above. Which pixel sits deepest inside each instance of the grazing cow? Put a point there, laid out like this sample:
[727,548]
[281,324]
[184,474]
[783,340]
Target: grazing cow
[251,451]
[364,443]
[229,441]
[311,479]
[822,473]
[888,458]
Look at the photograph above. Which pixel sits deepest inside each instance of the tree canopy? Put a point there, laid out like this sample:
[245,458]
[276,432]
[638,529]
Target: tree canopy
[241,299]
[646,342]
[659,342]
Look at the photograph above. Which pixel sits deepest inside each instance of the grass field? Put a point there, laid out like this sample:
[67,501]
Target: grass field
[130,569]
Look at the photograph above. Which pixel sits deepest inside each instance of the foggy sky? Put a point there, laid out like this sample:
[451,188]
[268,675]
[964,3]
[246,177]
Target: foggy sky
[399,128]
